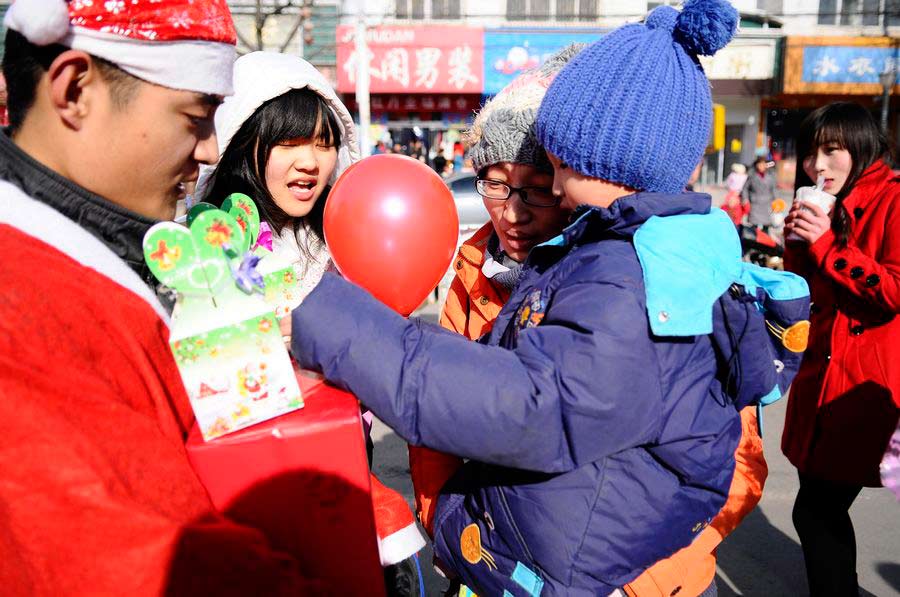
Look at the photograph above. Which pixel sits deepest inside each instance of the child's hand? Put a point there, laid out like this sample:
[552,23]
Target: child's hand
[807,221]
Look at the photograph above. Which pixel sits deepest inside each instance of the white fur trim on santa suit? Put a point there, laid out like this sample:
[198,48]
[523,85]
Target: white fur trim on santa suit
[189,65]
[44,223]
[400,545]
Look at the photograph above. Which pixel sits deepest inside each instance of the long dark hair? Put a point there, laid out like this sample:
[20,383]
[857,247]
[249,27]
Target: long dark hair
[848,126]
[297,114]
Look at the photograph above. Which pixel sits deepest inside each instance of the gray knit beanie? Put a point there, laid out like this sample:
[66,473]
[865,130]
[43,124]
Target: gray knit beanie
[503,130]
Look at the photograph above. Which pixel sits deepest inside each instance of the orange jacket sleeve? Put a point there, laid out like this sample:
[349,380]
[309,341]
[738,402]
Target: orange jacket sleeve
[691,570]
[454,314]
[431,469]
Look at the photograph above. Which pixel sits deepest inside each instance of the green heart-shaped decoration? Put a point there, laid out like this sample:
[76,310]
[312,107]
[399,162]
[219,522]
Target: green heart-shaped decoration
[214,230]
[242,208]
[172,257]
[198,209]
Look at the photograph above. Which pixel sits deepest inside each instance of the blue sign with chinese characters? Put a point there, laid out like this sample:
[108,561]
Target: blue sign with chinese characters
[509,52]
[848,64]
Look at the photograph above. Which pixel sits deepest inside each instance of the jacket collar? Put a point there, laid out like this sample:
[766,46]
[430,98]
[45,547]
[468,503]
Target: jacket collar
[868,187]
[629,213]
[116,227]
[471,256]
[475,247]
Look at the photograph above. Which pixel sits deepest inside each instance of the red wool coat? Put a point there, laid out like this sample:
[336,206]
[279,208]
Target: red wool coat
[845,402]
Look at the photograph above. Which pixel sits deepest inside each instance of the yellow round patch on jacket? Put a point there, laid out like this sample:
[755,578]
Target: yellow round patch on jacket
[470,544]
[796,337]
[471,549]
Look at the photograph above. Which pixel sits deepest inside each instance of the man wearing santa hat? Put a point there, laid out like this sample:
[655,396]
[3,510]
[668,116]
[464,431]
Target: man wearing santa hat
[111,106]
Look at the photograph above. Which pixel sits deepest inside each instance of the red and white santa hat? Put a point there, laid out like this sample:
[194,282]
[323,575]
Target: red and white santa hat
[180,44]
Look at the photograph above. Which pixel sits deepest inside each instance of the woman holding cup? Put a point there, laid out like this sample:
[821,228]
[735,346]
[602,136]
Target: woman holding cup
[845,401]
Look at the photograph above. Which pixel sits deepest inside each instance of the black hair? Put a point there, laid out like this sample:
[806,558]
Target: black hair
[24,63]
[848,126]
[297,114]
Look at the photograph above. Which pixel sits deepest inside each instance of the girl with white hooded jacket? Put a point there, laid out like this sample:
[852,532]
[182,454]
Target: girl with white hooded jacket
[284,138]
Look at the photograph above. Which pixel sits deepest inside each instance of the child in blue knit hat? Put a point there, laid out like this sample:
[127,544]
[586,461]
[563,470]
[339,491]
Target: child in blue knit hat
[599,417]
[634,110]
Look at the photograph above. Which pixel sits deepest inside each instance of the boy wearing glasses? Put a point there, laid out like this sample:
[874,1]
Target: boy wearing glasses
[515,180]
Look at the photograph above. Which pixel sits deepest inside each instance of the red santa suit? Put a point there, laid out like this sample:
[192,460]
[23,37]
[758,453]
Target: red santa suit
[97,494]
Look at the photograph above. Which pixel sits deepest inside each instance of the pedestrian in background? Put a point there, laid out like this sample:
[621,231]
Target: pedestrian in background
[439,163]
[459,152]
[758,193]
[843,405]
[416,150]
[735,184]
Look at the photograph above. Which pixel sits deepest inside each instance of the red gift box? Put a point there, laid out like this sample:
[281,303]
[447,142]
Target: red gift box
[303,480]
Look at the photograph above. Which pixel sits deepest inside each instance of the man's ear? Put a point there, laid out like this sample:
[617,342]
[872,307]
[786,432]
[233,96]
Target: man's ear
[71,78]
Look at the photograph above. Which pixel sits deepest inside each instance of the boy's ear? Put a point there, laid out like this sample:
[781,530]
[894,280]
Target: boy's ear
[71,78]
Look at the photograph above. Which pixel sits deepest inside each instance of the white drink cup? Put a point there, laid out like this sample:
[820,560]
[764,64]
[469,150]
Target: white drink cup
[815,196]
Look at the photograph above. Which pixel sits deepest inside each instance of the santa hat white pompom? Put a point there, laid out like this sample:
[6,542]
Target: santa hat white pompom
[42,22]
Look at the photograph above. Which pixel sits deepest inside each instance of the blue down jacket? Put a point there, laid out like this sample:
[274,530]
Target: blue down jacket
[599,416]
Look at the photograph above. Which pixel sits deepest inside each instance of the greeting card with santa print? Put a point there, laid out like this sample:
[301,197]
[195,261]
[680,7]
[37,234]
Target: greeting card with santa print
[225,336]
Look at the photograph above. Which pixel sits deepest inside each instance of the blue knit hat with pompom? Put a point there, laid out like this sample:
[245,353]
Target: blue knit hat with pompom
[635,107]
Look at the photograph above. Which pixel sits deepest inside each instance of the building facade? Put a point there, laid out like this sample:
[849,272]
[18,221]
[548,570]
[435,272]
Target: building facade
[301,27]
[432,63]
[780,66]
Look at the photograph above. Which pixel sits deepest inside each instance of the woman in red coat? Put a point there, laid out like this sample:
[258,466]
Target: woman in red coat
[844,402]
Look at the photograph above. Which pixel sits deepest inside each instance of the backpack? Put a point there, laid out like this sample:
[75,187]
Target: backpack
[763,332]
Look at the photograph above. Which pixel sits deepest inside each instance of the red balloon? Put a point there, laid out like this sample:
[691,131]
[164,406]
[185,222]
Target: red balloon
[391,226]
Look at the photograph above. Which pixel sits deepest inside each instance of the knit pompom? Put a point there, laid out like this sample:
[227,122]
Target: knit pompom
[41,22]
[705,26]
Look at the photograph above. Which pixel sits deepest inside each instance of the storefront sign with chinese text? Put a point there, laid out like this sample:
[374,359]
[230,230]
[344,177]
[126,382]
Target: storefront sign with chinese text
[839,65]
[398,103]
[400,59]
[742,59]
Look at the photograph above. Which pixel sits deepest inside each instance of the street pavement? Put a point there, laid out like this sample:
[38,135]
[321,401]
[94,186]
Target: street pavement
[762,557]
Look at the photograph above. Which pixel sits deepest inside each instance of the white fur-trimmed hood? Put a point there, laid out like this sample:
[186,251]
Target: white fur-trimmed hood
[262,76]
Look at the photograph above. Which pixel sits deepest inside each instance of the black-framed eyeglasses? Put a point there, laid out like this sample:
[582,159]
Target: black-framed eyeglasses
[500,191]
